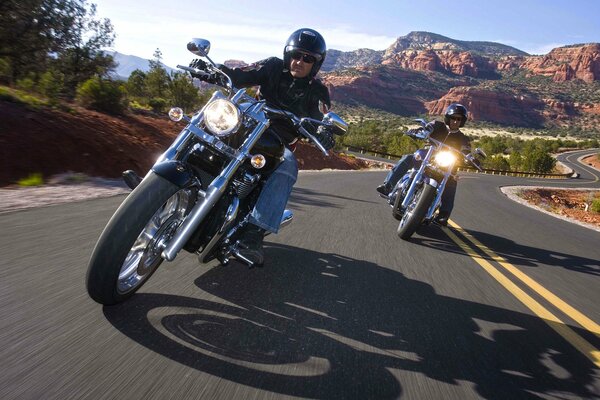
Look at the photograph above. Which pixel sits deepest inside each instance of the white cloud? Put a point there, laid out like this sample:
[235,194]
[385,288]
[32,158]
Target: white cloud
[248,42]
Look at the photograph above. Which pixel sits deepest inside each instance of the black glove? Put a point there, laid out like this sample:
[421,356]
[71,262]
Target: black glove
[325,136]
[199,63]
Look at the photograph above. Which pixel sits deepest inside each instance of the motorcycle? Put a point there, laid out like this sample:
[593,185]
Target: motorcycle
[417,195]
[198,195]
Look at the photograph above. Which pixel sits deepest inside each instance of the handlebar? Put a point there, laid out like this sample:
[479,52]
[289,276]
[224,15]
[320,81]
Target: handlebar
[469,157]
[298,122]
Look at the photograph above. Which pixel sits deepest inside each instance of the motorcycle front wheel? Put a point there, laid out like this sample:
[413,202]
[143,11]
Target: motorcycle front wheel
[129,249]
[416,211]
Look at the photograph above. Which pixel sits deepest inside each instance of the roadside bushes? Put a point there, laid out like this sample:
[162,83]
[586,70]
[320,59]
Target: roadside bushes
[595,207]
[102,95]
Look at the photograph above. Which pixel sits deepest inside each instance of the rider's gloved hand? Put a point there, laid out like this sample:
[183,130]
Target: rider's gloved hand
[325,136]
[199,63]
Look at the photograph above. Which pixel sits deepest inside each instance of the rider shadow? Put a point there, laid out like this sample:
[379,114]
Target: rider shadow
[513,252]
[320,325]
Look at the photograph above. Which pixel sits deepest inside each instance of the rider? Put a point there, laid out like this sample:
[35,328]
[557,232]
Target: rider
[291,85]
[447,132]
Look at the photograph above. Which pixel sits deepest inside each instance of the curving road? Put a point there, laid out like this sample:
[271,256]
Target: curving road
[502,305]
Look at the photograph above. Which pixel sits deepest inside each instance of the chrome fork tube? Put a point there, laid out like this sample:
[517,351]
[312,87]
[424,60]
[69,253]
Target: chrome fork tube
[438,197]
[417,178]
[213,193]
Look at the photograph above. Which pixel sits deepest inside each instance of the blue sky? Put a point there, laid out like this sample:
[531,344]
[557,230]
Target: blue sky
[256,29]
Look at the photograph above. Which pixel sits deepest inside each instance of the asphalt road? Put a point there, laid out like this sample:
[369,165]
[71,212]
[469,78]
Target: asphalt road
[502,305]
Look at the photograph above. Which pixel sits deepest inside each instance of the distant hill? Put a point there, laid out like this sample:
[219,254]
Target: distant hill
[126,64]
[433,41]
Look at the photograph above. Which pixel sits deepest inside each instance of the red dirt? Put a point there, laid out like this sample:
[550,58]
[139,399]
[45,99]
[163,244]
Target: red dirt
[592,160]
[570,203]
[96,144]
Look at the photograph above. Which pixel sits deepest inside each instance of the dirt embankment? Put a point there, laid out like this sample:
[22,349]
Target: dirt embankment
[51,142]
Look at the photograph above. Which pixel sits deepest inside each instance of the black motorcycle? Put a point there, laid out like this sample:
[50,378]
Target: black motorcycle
[199,194]
[417,195]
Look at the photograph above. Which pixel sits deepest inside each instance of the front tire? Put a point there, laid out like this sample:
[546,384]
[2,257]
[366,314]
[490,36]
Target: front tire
[416,211]
[129,249]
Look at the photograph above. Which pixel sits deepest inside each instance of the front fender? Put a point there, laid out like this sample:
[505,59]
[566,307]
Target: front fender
[175,172]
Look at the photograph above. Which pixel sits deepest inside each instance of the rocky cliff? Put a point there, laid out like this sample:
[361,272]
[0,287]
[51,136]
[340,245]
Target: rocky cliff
[567,63]
[424,72]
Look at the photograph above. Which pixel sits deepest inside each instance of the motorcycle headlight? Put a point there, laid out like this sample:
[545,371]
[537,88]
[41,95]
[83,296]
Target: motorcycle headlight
[445,158]
[222,117]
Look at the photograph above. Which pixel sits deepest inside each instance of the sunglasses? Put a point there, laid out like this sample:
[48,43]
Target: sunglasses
[307,58]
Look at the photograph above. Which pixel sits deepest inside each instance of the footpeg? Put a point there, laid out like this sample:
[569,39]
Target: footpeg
[236,253]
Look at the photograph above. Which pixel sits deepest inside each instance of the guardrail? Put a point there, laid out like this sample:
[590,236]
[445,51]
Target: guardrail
[469,169]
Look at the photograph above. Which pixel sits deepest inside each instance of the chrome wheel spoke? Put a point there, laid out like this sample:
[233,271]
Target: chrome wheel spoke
[144,256]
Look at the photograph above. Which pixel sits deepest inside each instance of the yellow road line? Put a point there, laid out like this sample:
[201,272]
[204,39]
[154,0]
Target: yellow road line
[553,321]
[581,319]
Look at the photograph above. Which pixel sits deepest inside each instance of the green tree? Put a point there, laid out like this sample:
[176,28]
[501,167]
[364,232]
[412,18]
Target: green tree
[496,161]
[65,34]
[157,79]
[183,93]
[51,84]
[136,83]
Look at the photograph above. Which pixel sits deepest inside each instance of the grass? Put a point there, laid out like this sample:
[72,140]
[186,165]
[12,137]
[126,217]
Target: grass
[35,179]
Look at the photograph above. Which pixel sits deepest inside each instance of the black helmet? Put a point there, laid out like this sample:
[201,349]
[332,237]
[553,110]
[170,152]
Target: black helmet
[309,41]
[456,109]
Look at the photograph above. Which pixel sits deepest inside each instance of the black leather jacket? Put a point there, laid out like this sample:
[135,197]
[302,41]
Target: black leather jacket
[279,88]
[456,139]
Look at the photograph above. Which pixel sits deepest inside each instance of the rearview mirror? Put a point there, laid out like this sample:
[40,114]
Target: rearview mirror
[199,47]
[340,127]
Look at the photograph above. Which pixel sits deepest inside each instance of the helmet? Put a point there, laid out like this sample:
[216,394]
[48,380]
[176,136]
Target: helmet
[307,40]
[456,109]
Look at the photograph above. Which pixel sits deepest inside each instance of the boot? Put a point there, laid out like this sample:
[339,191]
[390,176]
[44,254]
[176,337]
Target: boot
[251,245]
[384,189]
[131,179]
[442,218]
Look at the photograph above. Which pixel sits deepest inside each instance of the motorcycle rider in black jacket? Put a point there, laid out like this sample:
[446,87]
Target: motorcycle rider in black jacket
[289,84]
[449,133]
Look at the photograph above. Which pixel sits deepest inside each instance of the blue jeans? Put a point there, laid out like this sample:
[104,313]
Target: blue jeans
[271,202]
[404,164]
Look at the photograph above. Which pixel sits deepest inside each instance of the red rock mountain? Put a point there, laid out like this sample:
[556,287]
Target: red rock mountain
[567,63]
[424,72]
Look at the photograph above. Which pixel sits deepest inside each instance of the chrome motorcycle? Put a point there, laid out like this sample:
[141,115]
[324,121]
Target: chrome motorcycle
[417,195]
[199,194]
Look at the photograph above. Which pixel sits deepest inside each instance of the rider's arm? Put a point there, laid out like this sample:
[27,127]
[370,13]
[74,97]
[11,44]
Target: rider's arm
[253,74]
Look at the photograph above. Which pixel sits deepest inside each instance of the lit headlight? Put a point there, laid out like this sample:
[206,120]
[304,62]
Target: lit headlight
[445,159]
[221,117]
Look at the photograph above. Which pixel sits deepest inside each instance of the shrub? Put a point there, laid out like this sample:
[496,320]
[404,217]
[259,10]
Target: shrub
[102,95]
[51,85]
[158,104]
[32,180]
[27,84]
[595,206]
[5,71]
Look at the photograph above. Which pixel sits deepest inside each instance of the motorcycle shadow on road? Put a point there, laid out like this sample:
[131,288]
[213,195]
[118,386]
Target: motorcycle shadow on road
[307,197]
[513,252]
[325,326]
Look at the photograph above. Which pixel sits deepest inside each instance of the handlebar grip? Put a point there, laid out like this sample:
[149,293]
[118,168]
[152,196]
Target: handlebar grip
[197,72]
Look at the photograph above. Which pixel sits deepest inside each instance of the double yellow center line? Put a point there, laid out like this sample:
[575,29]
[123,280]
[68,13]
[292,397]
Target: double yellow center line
[548,317]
